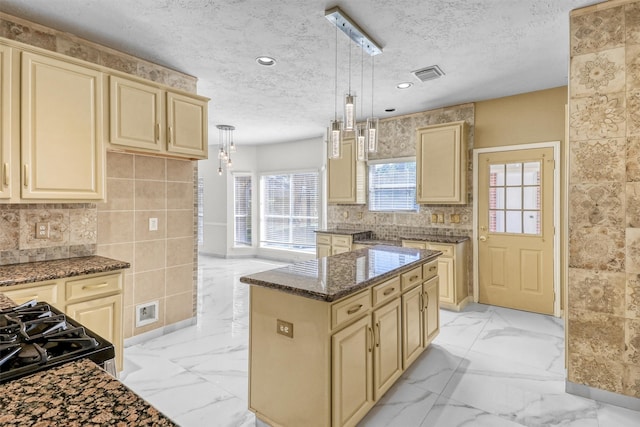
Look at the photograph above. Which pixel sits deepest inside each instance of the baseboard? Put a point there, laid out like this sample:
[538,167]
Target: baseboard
[603,396]
[146,336]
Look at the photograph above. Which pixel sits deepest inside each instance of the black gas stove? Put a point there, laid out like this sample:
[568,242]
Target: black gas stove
[35,336]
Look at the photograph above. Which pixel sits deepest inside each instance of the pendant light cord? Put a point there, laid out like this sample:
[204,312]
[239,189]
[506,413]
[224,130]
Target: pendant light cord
[372,62]
[335,106]
[362,78]
[349,64]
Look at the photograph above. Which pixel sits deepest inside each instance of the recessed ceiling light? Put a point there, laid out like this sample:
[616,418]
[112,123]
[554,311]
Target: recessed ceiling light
[267,61]
[390,110]
[404,85]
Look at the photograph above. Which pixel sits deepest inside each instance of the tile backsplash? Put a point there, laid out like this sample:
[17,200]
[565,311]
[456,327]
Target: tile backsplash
[72,231]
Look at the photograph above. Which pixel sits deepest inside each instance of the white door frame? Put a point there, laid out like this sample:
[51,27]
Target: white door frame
[556,214]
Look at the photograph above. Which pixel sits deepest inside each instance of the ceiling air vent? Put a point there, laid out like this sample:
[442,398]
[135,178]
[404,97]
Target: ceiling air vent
[428,73]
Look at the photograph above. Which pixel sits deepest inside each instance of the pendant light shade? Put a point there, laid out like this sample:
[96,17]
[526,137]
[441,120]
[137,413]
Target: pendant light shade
[349,112]
[334,139]
[226,146]
[361,142]
[372,134]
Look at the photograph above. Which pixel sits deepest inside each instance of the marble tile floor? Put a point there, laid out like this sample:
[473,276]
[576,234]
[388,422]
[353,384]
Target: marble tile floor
[489,366]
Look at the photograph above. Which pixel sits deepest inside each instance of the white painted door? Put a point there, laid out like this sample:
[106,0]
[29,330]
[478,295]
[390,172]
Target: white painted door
[516,231]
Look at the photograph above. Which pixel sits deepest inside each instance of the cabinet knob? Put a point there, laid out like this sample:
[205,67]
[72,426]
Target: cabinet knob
[482,238]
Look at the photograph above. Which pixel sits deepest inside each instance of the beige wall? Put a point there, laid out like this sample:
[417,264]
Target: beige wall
[162,261]
[603,334]
[521,119]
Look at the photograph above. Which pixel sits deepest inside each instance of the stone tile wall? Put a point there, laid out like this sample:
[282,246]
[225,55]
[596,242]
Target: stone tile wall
[603,333]
[398,139]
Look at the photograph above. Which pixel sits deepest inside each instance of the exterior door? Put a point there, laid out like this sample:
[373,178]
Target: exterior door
[516,231]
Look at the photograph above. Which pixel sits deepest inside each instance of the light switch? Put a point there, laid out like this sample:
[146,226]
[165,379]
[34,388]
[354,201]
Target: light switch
[441,218]
[153,224]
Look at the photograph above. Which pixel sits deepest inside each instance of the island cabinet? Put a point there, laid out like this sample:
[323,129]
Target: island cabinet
[346,176]
[315,362]
[149,118]
[441,164]
[94,300]
[332,244]
[452,271]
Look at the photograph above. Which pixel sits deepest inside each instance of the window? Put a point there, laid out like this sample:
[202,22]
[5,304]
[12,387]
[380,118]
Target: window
[515,198]
[289,211]
[392,185]
[242,210]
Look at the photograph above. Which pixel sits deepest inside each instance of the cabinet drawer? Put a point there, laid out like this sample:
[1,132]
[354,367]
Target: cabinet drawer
[414,244]
[93,286]
[341,240]
[47,292]
[323,239]
[430,269]
[386,291]
[447,250]
[350,308]
[411,278]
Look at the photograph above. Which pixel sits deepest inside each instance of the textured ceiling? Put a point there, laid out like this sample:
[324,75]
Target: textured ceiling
[487,49]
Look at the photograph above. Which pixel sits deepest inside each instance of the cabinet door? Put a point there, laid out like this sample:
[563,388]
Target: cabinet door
[187,125]
[387,356]
[446,275]
[104,317]
[441,164]
[352,382]
[6,119]
[323,251]
[346,177]
[135,112]
[62,136]
[431,312]
[411,325]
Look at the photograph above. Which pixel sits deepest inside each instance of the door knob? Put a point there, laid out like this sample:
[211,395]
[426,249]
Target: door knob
[482,238]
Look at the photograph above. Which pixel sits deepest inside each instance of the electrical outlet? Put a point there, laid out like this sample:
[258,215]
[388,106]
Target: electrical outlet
[42,230]
[359,215]
[345,214]
[147,313]
[284,328]
[153,224]
[455,218]
[434,218]
[441,218]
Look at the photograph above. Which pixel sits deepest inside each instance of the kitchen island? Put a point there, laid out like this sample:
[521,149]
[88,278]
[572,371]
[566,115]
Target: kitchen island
[328,337]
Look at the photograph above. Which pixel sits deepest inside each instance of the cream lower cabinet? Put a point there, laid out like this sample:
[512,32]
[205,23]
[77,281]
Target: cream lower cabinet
[339,357]
[332,244]
[93,300]
[452,271]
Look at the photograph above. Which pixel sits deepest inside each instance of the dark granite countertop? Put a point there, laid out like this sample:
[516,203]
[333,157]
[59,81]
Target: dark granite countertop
[373,242]
[357,234]
[334,277]
[5,302]
[75,394]
[29,272]
[436,238]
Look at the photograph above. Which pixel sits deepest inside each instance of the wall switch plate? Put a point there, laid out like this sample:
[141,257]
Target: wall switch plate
[42,230]
[441,218]
[434,218]
[284,328]
[345,214]
[153,224]
[455,218]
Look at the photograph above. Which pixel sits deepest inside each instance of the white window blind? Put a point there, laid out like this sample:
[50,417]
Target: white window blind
[290,205]
[392,186]
[242,210]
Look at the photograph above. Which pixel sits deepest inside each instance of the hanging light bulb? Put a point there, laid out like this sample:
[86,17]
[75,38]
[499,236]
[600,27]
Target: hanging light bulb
[226,146]
[372,122]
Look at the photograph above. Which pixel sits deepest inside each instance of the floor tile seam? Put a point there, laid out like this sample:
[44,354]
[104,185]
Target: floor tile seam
[518,361]
[460,402]
[219,386]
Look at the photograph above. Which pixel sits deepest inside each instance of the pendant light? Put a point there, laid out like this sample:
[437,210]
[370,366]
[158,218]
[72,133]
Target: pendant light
[361,131]
[372,122]
[226,146]
[334,133]
[349,101]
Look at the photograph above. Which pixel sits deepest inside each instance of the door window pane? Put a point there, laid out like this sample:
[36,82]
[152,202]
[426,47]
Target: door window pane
[496,198]
[496,175]
[531,197]
[531,222]
[514,221]
[496,221]
[531,174]
[514,198]
[514,174]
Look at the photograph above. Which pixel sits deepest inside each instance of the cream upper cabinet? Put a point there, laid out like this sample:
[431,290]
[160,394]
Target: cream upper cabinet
[6,120]
[441,169]
[145,117]
[135,111]
[346,176]
[187,125]
[62,148]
